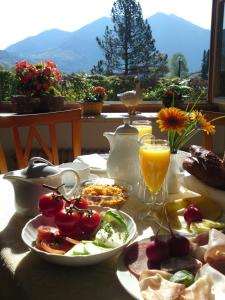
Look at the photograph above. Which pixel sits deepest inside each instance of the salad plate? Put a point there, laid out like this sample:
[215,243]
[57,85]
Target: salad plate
[29,235]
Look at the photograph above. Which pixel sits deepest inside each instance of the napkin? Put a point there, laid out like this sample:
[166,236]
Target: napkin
[95,161]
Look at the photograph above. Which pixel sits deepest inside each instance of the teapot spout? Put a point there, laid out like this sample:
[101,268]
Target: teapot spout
[13,175]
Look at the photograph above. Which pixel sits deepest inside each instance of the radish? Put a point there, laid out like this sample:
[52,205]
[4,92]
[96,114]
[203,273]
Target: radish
[192,214]
[178,245]
[157,251]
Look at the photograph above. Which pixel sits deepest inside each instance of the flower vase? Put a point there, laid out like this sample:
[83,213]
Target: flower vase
[173,184]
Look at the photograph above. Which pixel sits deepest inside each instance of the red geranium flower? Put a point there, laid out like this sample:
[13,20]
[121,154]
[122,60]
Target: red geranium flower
[36,79]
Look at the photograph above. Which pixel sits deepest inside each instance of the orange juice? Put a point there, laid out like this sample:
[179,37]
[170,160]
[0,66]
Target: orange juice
[143,127]
[154,162]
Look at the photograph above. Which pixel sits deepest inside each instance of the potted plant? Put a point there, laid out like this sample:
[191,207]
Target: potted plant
[172,91]
[93,101]
[38,87]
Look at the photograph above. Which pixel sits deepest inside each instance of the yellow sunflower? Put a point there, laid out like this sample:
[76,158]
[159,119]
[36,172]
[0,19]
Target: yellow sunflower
[172,119]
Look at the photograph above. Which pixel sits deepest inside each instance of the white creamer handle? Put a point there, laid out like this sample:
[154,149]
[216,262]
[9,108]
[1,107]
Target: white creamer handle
[76,186]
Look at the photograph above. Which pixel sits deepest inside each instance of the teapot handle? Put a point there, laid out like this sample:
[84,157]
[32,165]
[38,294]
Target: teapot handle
[33,160]
[76,186]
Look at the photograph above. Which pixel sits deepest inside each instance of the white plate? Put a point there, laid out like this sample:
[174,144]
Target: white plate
[29,234]
[193,184]
[96,162]
[127,280]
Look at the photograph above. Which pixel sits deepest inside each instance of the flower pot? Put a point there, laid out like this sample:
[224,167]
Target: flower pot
[91,108]
[25,104]
[168,100]
[51,103]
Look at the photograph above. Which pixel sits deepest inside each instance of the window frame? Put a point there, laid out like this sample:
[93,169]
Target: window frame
[215,52]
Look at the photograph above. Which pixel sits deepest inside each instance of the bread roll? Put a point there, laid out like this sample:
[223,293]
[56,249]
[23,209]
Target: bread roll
[206,166]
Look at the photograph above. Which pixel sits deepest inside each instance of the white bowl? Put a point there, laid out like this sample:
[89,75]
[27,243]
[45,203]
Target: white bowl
[114,201]
[29,234]
[81,168]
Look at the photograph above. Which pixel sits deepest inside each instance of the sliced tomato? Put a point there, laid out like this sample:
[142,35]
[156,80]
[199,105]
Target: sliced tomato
[59,247]
[47,233]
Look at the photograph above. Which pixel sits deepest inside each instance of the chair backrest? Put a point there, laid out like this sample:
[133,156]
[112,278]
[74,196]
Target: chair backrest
[49,146]
[208,139]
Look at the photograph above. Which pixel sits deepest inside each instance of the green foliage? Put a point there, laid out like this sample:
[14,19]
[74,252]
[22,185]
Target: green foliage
[7,85]
[173,86]
[178,65]
[129,47]
[199,89]
[77,87]
[205,65]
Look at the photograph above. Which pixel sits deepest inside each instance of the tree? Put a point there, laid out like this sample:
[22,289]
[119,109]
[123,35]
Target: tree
[178,65]
[129,47]
[205,65]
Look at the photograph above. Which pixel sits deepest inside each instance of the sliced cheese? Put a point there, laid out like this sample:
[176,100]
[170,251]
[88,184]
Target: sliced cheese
[155,287]
[217,279]
[201,289]
[216,246]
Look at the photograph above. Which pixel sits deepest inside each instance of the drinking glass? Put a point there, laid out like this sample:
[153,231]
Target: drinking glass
[154,158]
[143,127]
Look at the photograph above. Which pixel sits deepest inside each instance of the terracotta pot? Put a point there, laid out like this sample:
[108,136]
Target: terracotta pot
[91,108]
[25,105]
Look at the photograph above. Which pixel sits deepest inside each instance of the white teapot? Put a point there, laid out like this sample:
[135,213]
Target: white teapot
[28,183]
[123,161]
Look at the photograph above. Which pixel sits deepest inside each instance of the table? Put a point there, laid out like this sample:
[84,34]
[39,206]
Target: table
[23,275]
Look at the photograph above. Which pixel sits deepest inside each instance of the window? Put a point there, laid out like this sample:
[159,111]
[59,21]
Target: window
[217,54]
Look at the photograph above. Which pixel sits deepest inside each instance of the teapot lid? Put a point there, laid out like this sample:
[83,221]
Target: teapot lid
[39,167]
[126,128]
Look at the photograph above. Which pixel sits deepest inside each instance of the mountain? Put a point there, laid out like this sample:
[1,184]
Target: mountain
[43,42]
[78,51]
[174,34]
[7,59]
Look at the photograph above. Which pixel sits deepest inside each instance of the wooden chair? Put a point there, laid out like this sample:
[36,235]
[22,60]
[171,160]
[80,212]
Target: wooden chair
[23,145]
[208,139]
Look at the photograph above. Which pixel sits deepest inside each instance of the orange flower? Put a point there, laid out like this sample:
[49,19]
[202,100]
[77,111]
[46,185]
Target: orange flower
[207,126]
[172,119]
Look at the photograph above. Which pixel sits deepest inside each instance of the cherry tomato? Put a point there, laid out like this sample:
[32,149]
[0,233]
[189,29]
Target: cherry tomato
[47,233]
[67,222]
[80,203]
[90,221]
[49,204]
[79,234]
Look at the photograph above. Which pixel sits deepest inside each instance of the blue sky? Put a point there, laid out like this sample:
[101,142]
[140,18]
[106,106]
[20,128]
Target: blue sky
[23,18]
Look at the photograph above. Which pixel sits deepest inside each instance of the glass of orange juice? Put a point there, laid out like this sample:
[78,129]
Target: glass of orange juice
[154,158]
[143,127]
